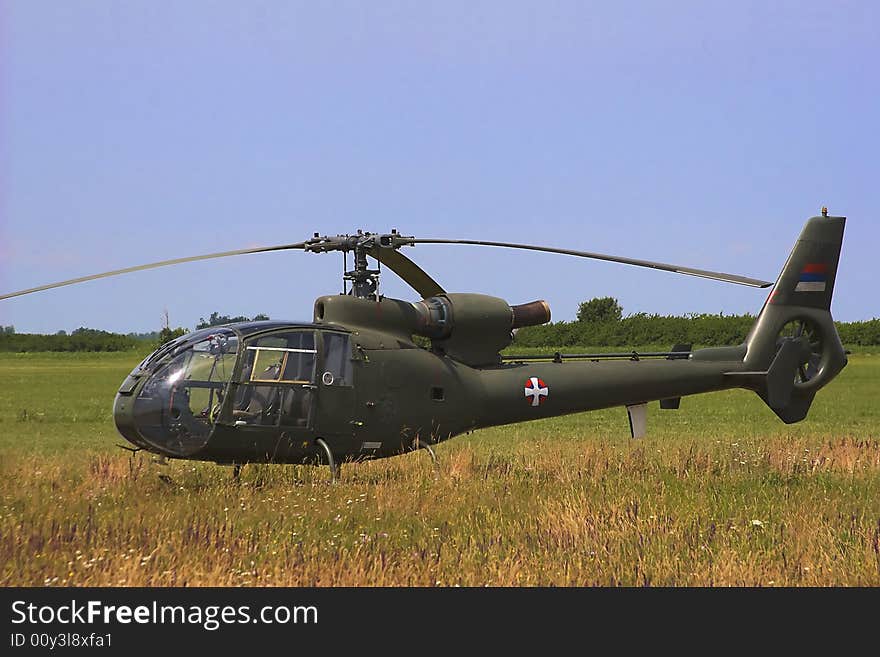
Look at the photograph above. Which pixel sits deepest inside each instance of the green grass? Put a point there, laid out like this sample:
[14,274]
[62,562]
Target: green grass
[720,493]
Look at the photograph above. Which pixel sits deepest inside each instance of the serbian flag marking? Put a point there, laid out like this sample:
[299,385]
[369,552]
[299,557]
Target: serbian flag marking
[813,278]
[537,390]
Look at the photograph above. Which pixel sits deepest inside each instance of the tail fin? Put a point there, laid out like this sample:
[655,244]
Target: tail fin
[798,311]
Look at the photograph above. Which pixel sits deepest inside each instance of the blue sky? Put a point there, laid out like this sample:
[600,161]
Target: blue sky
[701,134]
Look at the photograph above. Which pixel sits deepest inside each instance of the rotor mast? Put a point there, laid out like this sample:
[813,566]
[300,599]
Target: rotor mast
[364,281]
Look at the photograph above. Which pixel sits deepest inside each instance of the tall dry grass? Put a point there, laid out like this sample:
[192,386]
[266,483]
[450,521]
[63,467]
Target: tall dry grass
[543,512]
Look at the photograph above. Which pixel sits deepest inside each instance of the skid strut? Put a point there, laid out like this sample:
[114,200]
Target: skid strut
[328,455]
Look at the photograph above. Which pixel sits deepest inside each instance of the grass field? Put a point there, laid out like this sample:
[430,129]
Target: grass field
[721,493]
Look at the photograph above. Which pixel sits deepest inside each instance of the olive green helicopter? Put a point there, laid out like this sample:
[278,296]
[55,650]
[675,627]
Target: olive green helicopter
[372,377]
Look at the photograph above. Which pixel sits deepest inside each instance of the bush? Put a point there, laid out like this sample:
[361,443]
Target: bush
[604,309]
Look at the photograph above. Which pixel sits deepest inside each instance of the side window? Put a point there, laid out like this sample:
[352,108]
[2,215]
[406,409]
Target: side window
[337,360]
[283,357]
[267,364]
[264,394]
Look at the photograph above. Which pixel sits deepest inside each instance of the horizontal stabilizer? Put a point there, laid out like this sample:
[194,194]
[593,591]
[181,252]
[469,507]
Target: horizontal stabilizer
[776,384]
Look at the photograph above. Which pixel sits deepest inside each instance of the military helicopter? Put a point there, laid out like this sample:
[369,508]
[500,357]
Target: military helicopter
[360,381]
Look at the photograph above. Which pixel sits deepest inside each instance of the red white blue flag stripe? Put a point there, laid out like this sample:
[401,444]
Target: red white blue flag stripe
[813,278]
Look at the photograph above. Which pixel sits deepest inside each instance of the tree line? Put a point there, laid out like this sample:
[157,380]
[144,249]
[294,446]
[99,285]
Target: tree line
[82,339]
[600,322]
[88,339]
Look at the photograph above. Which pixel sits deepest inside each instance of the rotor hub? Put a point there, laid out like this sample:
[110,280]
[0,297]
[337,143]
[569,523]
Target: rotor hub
[364,281]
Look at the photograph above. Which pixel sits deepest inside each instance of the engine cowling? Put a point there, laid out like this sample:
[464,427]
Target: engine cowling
[471,328]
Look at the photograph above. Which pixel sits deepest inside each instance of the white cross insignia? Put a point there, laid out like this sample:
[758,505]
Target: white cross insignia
[537,390]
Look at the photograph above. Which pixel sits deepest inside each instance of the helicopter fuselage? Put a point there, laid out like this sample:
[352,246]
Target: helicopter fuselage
[368,401]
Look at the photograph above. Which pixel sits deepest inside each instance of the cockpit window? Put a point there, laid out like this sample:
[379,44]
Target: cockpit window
[275,384]
[283,358]
[337,360]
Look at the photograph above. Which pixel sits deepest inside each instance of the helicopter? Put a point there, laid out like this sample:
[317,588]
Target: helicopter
[372,377]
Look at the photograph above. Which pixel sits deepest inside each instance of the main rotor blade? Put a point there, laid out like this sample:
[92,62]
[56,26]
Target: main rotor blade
[410,272]
[715,275]
[153,265]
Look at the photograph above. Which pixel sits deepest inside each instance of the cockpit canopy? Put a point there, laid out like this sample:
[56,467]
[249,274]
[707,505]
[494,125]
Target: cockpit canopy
[176,408]
[223,375]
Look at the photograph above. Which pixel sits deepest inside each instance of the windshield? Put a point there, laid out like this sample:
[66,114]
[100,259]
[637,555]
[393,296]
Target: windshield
[178,405]
[166,351]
